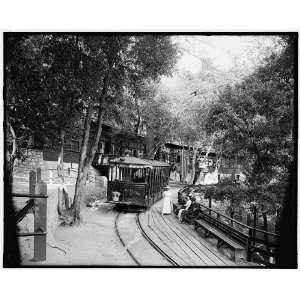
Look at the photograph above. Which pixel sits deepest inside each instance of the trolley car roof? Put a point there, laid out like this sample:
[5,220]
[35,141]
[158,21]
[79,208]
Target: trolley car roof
[136,162]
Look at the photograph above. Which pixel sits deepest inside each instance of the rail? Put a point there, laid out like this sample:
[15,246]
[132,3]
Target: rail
[28,195]
[153,244]
[238,222]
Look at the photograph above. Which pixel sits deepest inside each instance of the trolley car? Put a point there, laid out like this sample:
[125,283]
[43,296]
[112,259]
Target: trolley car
[135,182]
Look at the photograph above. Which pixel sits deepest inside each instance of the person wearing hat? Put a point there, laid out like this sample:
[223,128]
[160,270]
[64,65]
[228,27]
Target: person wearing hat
[167,202]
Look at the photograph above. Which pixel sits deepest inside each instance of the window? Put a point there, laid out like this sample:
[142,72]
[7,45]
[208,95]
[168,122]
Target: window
[101,147]
[75,145]
[72,145]
[107,148]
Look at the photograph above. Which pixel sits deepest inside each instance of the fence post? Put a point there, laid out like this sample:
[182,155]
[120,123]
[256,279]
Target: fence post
[209,204]
[32,182]
[38,174]
[40,222]
[249,242]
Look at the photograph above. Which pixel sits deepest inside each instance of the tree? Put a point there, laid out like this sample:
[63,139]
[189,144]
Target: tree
[58,80]
[157,120]
[44,94]
[256,119]
[191,131]
[191,99]
[20,76]
[122,58]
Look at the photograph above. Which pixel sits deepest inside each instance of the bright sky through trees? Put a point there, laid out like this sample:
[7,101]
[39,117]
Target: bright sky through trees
[228,59]
[223,50]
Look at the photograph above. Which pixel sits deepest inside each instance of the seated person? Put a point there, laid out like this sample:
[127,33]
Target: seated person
[185,208]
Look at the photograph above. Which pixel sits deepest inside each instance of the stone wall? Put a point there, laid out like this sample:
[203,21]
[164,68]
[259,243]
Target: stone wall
[96,184]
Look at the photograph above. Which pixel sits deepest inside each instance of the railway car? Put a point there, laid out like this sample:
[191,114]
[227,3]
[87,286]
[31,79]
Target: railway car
[135,182]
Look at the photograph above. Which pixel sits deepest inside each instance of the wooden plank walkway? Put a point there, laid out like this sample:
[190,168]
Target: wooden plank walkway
[142,251]
[180,241]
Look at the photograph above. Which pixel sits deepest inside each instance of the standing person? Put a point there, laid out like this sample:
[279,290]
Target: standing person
[177,176]
[167,204]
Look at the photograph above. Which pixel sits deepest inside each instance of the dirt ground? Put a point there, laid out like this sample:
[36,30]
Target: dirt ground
[94,242]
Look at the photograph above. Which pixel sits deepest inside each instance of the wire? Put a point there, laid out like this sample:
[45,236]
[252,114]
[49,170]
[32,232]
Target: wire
[196,92]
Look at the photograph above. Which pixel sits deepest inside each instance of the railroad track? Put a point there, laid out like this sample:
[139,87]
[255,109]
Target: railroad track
[148,240]
[122,240]
[153,244]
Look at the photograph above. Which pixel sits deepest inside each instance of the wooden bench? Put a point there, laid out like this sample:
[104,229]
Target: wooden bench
[239,251]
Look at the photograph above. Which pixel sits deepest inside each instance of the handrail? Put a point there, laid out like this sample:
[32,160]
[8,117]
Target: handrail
[225,216]
[266,232]
[128,182]
[23,234]
[20,195]
[238,222]
[22,213]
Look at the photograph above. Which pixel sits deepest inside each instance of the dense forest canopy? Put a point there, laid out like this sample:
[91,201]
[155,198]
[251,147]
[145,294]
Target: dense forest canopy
[233,94]
[242,108]
[54,81]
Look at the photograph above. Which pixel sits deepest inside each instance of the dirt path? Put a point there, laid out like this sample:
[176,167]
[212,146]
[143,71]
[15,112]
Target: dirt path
[94,242]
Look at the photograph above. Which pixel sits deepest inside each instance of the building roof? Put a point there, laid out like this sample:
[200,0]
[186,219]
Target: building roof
[136,162]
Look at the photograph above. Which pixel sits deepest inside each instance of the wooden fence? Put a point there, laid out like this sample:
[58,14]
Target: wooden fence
[255,240]
[36,203]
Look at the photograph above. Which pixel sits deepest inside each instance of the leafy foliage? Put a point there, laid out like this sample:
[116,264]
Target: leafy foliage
[55,82]
[255,119]
[43,89]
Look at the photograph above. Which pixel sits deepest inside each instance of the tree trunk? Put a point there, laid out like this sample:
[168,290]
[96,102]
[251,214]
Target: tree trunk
[151,154]
[258,168]
[63,200]
[193,165]
[79,193]
[10,171]
[11,253]
[11,156]
[207,152]
[137,126]
[81,176]
[83,171]
[87,155]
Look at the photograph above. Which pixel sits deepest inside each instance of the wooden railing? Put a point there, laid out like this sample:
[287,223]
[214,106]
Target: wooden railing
[256,240]
[37,203]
